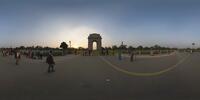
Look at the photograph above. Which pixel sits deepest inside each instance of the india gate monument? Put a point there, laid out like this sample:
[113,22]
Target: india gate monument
[94,38]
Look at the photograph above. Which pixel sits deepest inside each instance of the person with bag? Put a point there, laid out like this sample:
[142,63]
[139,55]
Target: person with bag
[50,61]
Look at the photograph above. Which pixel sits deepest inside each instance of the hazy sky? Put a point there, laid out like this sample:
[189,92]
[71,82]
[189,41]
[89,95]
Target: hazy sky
[174,23]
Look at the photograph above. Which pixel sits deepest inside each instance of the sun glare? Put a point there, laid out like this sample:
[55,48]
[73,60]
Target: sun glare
[78,36]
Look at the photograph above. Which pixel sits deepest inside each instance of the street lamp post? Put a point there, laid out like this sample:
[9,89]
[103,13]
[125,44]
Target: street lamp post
[193,47]
[120,51]
[70,44]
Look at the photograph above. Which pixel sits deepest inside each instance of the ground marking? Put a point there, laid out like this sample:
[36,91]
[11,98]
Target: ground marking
[144,74]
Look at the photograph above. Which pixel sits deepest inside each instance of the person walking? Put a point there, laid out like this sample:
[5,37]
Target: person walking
[17,57]
[50,61]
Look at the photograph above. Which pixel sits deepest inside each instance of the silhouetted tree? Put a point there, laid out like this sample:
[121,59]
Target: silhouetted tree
[114,47]
[146,48]
[109,48]
[80,48]
[140,47]
[157,47]
[131,48]
[64,46]
[123,47]
[22,47]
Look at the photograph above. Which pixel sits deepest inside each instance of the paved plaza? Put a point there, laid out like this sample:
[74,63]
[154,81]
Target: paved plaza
[102,78]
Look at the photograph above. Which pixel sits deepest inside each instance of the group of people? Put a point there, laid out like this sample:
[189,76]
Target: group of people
[103,52]
[132,56]
[50,59]
[34,55]
[17,55]
[106,52]
[10,52]
[7,52]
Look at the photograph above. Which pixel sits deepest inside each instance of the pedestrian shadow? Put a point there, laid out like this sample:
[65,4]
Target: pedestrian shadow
[48,74]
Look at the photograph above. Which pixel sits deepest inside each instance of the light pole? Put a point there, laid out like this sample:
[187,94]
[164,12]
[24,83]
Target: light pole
[120,51]
[70,44]
[193,46]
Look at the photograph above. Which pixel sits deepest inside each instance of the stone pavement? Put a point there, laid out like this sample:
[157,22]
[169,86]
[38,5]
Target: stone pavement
[90,78]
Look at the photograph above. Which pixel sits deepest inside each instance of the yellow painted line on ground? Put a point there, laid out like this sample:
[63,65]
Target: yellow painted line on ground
[144,74]
[155,56]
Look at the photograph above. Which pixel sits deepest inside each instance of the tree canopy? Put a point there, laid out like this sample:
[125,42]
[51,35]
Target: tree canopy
[63,45]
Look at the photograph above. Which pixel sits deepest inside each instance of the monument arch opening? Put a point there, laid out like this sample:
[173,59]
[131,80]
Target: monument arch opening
[94,45]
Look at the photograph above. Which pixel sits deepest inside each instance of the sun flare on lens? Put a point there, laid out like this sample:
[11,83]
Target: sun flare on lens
[78,36]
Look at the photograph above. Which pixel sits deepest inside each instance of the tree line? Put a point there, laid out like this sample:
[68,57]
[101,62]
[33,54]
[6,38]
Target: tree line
[64,46]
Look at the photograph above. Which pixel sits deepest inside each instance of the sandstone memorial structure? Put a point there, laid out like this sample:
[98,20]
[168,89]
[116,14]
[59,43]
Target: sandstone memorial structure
[94,38]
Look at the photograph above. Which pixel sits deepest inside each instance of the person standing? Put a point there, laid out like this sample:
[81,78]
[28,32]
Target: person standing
[107,52]
[32,54]
[3,52]
[120,55]
[17,57]
[132,56]
[50,61]
[41,55]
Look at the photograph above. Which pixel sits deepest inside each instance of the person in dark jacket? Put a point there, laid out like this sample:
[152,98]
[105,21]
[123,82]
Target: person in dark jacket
[50,61]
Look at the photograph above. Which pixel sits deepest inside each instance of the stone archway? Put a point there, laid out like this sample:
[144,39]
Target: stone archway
[94,38]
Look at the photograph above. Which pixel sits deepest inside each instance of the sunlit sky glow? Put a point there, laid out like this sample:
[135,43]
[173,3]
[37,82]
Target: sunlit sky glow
[173,23]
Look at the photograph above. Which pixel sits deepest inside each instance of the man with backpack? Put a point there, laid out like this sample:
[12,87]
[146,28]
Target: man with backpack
[50,61]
